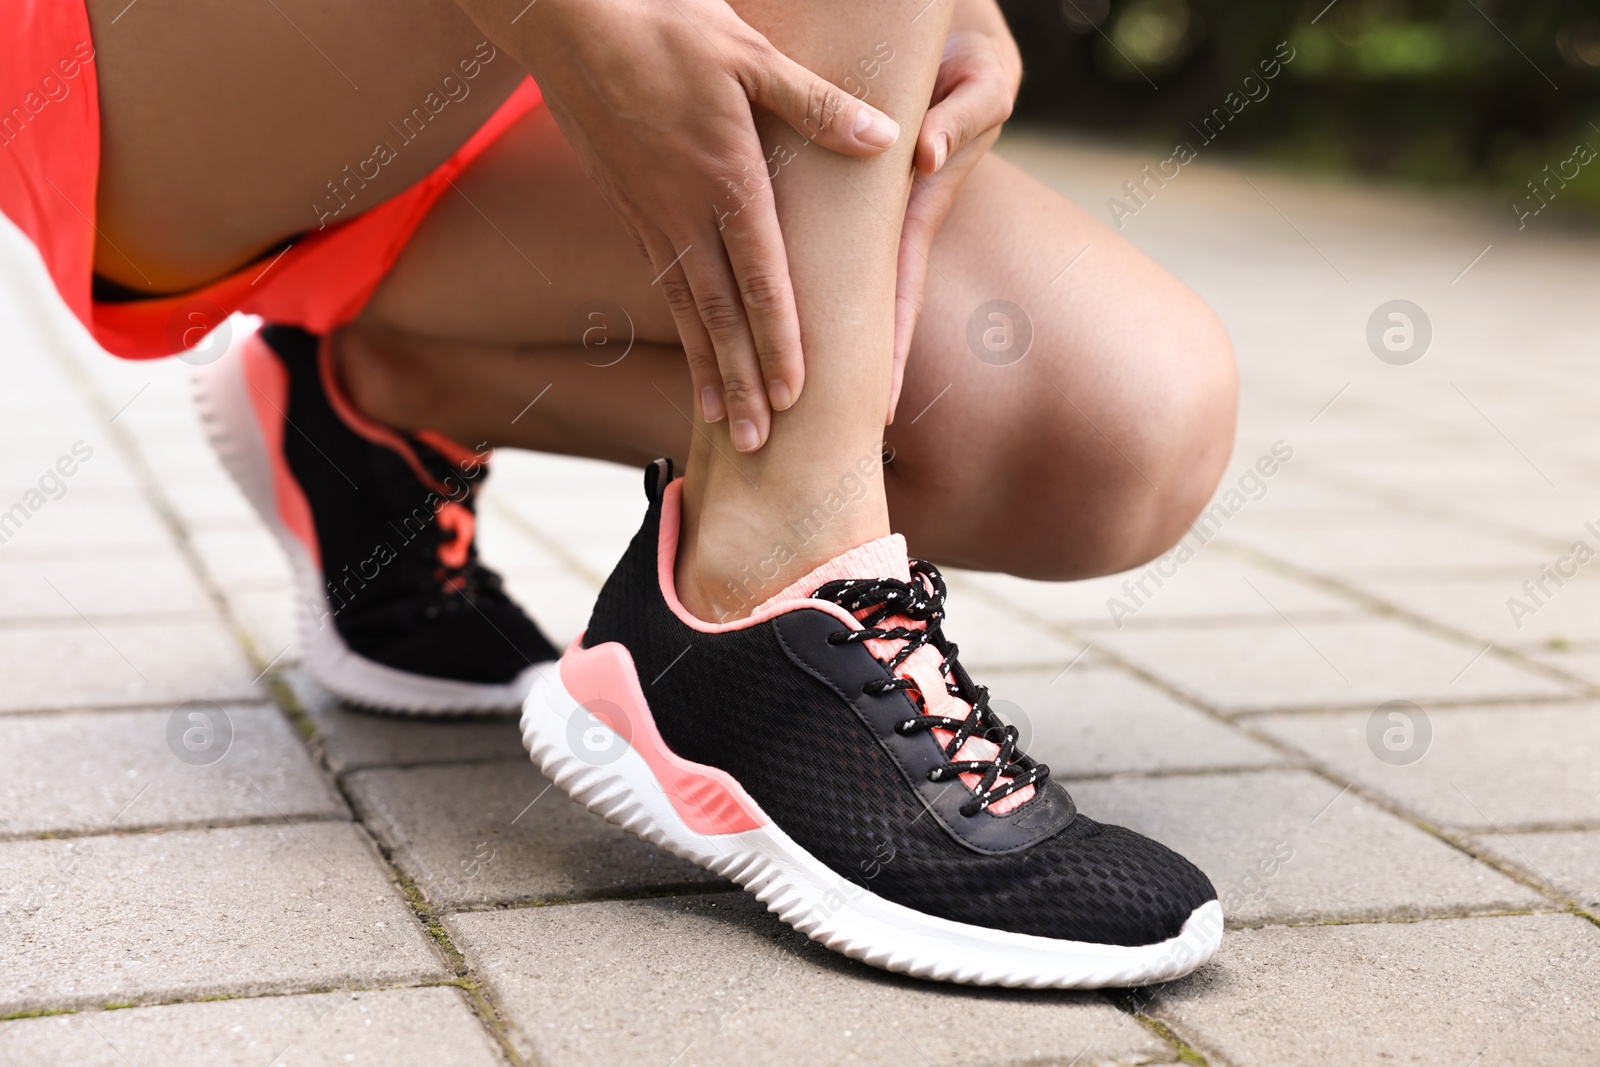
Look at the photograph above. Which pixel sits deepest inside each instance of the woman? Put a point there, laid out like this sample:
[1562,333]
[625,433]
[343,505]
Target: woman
[788,218]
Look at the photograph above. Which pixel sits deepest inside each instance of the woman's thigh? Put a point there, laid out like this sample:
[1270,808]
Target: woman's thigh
[223,123]
[1088,451]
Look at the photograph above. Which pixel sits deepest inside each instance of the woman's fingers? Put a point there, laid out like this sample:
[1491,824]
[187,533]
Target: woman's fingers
[820,110]
[698,351]
[760,264]
[721,309]
[972,96]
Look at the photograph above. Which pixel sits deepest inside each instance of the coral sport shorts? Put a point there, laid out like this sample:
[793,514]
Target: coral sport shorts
[49,169]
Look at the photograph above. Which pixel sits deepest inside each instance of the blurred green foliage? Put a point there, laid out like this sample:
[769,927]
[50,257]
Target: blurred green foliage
[1481,93]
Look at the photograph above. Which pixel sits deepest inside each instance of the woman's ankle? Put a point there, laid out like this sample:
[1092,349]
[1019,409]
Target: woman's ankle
[376,381]
[738,547]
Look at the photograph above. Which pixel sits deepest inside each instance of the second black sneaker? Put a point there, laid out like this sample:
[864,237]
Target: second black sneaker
[395,611]
[830,755]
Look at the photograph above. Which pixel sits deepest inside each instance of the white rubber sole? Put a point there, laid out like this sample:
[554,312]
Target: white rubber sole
[222,397]
[821,904]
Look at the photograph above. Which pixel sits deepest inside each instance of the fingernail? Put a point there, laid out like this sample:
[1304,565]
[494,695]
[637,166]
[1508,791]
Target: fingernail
[745,437]
[779,393]
[711,405]
[941,151]
[875,128]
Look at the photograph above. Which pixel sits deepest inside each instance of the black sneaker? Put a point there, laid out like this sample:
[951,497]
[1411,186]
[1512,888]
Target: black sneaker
[831,756]
[395,611]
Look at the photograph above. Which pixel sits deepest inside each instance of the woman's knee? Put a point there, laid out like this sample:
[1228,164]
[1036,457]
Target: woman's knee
[1186,441]
[1117,475]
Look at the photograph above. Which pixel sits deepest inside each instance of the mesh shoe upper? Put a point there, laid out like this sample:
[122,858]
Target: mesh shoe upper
[742,701]
[395,517]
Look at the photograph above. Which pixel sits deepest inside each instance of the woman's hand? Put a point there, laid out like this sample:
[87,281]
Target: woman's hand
[656,99]
[972,97]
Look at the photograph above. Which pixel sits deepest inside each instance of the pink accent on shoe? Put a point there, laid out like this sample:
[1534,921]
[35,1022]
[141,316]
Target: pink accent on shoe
[605,682]
[458,521]
[267,382]
[666,565]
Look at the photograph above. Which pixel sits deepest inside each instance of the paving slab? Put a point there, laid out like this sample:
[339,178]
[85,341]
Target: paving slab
[718,980]
[1288,846]
[85,525]
[1210,585]
[1568,860]
[106,771]
[381,1028]
[154,583]
[1092,721]
[1506,767]
[1339,663]
[352,737]
[1582,662]
[1521,990]
[207,502]
[267,617]
[242,556]
[485,833]
[1499,610]
[1393,542]
[112,663]
[1540,511]
[193,913]
[990,636]
[104,481]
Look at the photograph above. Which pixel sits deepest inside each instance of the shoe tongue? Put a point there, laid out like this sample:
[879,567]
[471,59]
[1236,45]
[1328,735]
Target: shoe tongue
[886,558]
[883,558]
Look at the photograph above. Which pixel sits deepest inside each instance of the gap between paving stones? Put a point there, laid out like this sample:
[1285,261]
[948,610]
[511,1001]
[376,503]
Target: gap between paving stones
[652,892]
[416,765]
[115,709]
[1124,1001]
[1183,622]
[124,1005]
[1296,757]
[197,824]
[1302,764]
[72,622]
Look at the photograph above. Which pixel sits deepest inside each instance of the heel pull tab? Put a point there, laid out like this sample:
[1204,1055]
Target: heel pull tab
[657,476]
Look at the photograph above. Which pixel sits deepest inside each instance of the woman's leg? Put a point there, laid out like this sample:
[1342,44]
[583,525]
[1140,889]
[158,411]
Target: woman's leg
[1089,455]
[841,225]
